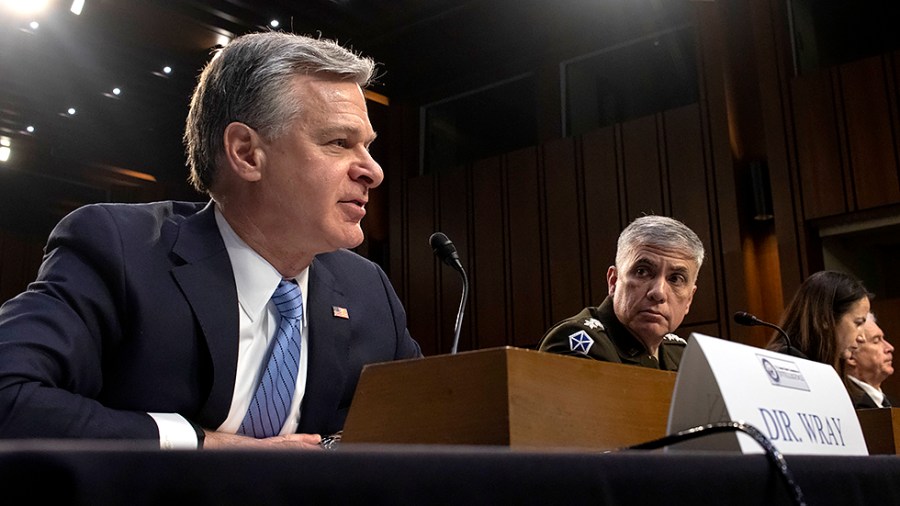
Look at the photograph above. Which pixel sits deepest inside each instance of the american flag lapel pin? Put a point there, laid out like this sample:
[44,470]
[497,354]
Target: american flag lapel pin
[340,312]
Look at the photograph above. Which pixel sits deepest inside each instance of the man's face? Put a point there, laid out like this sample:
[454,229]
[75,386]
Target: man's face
[872,361]
[652,291]
[318,174]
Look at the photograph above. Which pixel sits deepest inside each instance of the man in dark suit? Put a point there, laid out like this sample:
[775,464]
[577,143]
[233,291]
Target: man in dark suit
[158,321]
[868,366]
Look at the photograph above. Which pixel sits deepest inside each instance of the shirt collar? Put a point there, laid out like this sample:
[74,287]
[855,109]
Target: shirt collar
[876,394]
[254,277]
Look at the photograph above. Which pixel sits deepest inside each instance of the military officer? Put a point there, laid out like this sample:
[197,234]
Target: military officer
[651,287]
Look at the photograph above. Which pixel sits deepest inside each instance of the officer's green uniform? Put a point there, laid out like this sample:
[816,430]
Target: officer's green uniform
[596,333]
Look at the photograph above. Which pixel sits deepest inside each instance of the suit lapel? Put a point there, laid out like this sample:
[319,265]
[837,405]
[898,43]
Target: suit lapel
[207,281]
[329,339]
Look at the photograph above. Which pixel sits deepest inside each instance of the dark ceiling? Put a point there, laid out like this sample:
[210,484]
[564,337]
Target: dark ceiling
[428,49]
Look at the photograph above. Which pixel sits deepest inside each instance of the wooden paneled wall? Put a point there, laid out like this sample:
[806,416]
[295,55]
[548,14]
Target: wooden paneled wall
[847,137]
[537,228]
[831,140]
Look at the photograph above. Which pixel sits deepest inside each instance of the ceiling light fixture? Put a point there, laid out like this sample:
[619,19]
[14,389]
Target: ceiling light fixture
[29,129]
[117,91]
[167,70]
[5,148]
[76,8]
[25,7]
[274,23]
[34,25]
[71,111]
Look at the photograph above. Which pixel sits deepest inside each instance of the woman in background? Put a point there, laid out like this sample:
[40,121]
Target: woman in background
[825,318]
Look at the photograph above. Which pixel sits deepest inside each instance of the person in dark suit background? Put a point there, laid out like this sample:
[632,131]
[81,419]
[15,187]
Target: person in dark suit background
[869,366]
[155,321]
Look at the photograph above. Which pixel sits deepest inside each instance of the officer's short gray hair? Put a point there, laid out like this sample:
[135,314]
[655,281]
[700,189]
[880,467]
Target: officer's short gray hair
[661,232]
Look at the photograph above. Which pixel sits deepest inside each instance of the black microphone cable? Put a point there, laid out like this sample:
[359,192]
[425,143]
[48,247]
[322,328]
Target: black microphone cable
[774,456]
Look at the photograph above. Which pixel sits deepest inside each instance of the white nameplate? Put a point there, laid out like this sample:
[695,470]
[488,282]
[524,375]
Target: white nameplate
[800,405]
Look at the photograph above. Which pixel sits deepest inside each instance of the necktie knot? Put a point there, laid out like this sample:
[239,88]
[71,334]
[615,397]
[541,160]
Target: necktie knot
[288,300]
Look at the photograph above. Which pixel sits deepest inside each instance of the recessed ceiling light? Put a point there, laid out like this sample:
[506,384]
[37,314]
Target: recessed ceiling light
[71,111]
[117,91]
[77,5]
[274,23]
[5,149]
[167,69]
[223,40]
[34,25]
[29,129]
[25,6]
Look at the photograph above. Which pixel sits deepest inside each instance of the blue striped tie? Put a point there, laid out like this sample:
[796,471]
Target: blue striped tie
[269,407]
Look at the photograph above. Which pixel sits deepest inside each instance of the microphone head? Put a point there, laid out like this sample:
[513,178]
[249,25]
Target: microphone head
[439,240]
[444,248]
[745,318]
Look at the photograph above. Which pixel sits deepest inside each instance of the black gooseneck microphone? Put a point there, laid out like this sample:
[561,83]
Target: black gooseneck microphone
[745,318]
[446,251]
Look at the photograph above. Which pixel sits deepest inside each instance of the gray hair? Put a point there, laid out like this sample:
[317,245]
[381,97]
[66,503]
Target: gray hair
[248,81]
[661,232]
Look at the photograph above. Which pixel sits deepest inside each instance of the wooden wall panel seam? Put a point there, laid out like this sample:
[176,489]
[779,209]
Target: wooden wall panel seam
[621,177]
[581,197]
[891,91]
[471,320]
[717,255]
[840,113]
[665,187]
[546,281]
[507,245]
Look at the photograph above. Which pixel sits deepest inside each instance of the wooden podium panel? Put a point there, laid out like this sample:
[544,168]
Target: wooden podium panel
[510,397]
[881,428]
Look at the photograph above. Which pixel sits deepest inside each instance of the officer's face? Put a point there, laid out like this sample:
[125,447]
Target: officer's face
[653,290]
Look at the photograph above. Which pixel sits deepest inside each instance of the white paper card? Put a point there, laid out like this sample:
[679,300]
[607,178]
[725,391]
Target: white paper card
[800,405]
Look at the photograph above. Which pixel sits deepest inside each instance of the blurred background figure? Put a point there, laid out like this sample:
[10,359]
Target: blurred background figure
[869,366]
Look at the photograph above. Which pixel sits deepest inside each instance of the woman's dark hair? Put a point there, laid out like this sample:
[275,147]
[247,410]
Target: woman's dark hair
[811,317]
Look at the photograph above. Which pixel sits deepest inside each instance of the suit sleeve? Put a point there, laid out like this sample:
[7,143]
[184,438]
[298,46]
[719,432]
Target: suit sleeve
[407,347]
[53,336]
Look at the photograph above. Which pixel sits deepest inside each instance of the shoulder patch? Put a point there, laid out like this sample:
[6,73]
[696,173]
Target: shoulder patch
[580,342]
[593,324]
[673,339]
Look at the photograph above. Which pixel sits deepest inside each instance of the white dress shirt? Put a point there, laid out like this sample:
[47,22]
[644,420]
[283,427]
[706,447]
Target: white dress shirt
[876,394]
[256,281]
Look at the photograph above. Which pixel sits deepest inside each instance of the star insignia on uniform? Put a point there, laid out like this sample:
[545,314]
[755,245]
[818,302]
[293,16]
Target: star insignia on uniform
[593,323]
[580,342]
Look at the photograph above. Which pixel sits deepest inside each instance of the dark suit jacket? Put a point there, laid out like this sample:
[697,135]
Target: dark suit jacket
[135,310]
[861,399]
